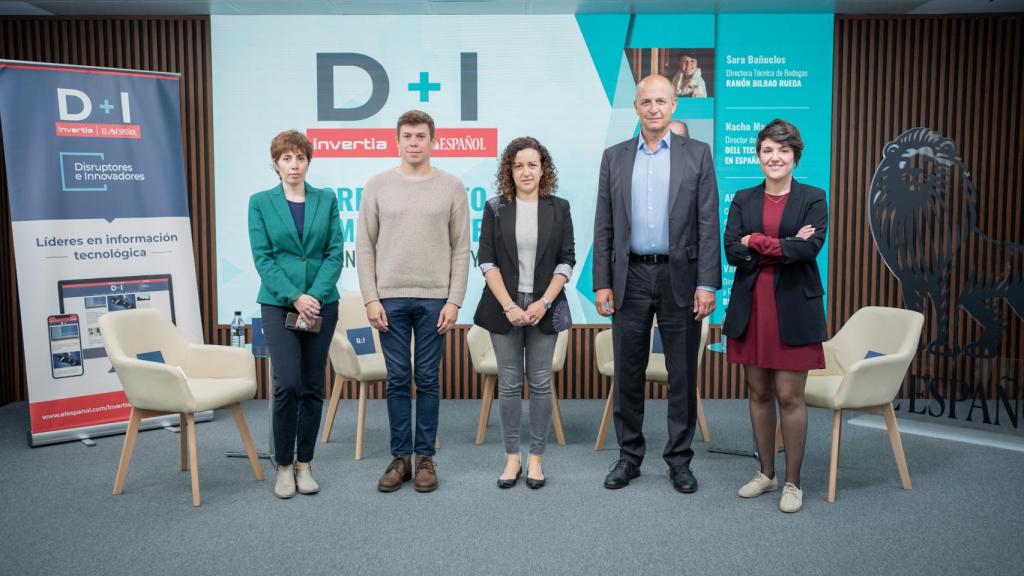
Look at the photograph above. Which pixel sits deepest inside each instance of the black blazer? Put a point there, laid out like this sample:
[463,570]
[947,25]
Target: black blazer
[798,289]
[555,245]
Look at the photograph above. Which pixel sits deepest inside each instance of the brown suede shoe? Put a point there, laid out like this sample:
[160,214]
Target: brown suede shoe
[426,476]
[398,473]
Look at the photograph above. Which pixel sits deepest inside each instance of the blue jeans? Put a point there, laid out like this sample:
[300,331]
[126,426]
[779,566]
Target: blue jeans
[409,317]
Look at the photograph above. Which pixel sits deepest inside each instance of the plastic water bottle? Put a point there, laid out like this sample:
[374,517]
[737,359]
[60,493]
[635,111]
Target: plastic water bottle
[238,330]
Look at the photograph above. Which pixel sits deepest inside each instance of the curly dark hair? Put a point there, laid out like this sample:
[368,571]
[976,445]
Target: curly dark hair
[506,187]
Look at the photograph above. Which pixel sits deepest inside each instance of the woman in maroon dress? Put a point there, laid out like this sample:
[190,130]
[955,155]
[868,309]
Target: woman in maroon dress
[775,320]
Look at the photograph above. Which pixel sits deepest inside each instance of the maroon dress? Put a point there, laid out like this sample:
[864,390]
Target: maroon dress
[761,344]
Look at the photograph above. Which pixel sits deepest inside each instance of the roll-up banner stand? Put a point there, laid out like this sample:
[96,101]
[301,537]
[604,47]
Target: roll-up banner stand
[100,223]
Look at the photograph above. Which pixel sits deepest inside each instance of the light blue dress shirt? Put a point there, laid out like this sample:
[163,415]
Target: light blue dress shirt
[649,226]
[651,172]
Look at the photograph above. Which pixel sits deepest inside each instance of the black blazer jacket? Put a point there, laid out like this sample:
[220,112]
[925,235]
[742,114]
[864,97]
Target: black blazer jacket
[798,289]
[555,245]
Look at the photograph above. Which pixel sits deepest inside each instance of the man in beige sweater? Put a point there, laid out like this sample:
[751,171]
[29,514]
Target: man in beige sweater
[412,255]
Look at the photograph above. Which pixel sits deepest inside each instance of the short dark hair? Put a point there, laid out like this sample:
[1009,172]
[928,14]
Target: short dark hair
[415,118]
[290,141]
[548,176]
[784,133]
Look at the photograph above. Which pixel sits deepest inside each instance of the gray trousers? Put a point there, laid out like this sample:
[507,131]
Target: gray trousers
[525,349]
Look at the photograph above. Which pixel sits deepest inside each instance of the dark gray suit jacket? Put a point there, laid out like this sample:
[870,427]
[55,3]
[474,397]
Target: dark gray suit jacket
[695,257]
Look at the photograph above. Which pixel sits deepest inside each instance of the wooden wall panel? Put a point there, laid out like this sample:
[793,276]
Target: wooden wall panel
[960,75]
[579,379]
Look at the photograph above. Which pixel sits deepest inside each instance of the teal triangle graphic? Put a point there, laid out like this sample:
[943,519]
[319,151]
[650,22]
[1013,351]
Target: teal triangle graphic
[227,271]
[585,288]
[605,35]
[585,278]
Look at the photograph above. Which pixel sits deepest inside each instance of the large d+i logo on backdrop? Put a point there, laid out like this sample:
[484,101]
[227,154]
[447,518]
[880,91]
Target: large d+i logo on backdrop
[326,63]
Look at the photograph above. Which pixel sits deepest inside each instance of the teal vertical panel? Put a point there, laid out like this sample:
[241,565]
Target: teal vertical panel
[758,80]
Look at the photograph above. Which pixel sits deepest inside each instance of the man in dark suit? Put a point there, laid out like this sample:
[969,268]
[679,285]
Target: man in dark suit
[656,251]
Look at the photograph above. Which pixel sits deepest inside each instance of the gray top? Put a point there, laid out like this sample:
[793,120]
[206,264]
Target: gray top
[527,230]
[526,242]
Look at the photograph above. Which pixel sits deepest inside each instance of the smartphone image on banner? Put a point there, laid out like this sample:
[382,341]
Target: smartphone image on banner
[65,346]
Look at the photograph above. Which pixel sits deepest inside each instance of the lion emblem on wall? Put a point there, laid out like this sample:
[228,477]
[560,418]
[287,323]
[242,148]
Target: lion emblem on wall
[923,216]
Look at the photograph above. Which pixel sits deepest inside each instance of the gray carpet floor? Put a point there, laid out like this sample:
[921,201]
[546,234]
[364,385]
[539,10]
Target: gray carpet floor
[965,514]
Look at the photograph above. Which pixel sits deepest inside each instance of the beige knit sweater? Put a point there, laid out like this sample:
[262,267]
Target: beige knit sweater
[413,237]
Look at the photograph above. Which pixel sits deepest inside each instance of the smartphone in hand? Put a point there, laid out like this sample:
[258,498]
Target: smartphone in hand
[295,322]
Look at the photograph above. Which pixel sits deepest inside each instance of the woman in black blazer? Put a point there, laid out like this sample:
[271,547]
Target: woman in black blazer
[775,320]
[526,253]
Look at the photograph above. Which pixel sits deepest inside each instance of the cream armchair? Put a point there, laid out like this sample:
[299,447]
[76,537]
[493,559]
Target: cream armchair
[192,378]
[481,353]
[656,372]
[850,381]
[365,366]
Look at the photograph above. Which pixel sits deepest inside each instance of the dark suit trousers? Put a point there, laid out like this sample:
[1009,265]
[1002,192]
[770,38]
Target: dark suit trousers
[649,292]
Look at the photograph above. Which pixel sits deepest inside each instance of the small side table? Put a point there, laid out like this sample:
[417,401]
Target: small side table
[269,453]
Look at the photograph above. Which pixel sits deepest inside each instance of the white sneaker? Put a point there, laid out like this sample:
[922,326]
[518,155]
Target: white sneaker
[758,485]
[304,480]
[285,485]
[792,498]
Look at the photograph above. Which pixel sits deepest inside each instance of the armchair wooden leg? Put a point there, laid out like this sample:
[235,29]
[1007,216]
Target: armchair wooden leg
[183,436]
[702,423]
[485,407]
[897,445]
[193,457]
[833,467]
[243,431]
[606,418]
[126,449]
[361,419]
[556,415]
[332,409]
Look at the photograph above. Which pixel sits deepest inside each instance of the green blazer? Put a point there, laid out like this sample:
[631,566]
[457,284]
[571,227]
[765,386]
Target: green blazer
[287,267]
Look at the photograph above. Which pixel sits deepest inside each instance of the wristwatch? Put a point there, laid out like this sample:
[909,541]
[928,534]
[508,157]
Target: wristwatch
[547,303]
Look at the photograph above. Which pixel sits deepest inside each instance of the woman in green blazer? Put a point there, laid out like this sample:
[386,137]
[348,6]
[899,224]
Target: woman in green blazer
[296,245]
